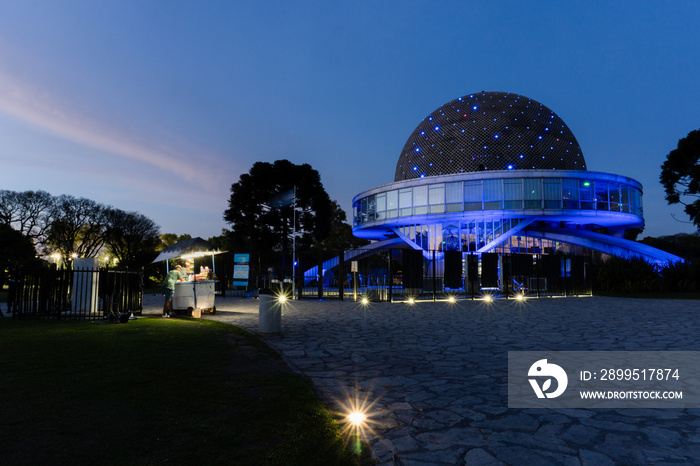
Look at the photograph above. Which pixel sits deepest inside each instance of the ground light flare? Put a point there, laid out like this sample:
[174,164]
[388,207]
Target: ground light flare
[356,414]
[356,418]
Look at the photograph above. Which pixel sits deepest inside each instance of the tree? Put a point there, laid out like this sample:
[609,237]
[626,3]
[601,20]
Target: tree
[220,241]
[168,239]
[78,228]
[29,212]
[260,211]
[130,237]
[680,175]
[340,237]
[15,248]
[683,245]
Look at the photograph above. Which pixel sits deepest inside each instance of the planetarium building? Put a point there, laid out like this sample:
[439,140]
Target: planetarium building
[492,191]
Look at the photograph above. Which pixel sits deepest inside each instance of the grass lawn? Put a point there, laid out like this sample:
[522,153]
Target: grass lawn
[154,391]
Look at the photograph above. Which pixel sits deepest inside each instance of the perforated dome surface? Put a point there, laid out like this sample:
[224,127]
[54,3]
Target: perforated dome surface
[489,131]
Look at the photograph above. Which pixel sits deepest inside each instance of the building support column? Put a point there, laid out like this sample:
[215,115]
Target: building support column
[434,278]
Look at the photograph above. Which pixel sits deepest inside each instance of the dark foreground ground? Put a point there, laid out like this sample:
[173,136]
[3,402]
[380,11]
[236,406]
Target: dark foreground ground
[435,375]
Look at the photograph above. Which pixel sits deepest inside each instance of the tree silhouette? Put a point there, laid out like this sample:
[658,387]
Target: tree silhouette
[260,212]
[15,249]
[680,175]
[131,237]
[29,212]
[69,226]
[340,237]
[168,239]
[78,228]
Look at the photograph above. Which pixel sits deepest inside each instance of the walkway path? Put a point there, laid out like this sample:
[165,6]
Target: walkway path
[435,375]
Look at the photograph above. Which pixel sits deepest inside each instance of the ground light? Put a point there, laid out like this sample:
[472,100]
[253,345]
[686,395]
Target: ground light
[356,421]
[451,299]
[356,412]
[487,298]
[356,418]
[520,297]
[364,301]
[411,301]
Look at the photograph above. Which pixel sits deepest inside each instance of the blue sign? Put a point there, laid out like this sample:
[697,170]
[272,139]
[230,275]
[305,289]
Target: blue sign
[241,268]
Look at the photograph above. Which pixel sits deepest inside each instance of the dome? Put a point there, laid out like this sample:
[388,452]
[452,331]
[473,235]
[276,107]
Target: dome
[489,131]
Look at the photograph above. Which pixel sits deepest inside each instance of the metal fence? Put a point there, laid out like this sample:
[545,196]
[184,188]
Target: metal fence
[50,293]
[402,274]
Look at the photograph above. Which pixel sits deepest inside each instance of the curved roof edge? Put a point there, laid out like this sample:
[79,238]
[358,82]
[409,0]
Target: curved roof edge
[607,244]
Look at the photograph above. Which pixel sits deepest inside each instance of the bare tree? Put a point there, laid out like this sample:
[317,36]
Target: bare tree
[9,207]
[78,227]
[29,212]
[131,237]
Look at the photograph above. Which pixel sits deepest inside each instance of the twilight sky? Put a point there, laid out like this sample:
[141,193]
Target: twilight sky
[159,106]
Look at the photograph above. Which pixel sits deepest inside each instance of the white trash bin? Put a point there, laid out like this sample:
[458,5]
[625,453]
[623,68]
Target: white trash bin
[269,312]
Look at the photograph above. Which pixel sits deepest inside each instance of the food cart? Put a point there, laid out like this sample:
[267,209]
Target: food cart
[197,293]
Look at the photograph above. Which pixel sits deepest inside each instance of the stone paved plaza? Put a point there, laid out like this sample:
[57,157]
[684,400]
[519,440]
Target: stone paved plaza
[435,375]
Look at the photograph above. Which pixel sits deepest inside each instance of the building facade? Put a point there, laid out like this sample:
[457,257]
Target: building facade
[496,172]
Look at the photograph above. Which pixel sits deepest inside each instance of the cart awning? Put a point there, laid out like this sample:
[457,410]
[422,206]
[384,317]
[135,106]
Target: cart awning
[193,247]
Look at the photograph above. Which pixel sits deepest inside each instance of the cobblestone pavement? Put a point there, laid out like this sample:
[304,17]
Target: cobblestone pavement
[435,375]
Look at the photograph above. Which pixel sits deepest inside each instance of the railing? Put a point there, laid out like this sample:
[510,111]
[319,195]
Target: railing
[402,274]
[49,293]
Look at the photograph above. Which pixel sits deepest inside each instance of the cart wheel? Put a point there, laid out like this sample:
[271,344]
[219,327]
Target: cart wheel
[212,310]
[189,310]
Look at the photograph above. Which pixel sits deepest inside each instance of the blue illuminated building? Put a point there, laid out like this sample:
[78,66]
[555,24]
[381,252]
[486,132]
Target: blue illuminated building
[496,172]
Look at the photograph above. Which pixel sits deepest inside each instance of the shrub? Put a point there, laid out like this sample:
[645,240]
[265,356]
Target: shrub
[682,277]
[627,275]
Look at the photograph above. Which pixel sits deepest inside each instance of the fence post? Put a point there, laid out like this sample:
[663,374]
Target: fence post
[341,275]
[300,275]
[434,278]
[319,269]
[390,295]
[538,264]
[505,273]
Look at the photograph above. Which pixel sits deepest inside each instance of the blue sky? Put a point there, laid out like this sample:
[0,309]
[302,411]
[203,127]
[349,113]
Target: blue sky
[159,106]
